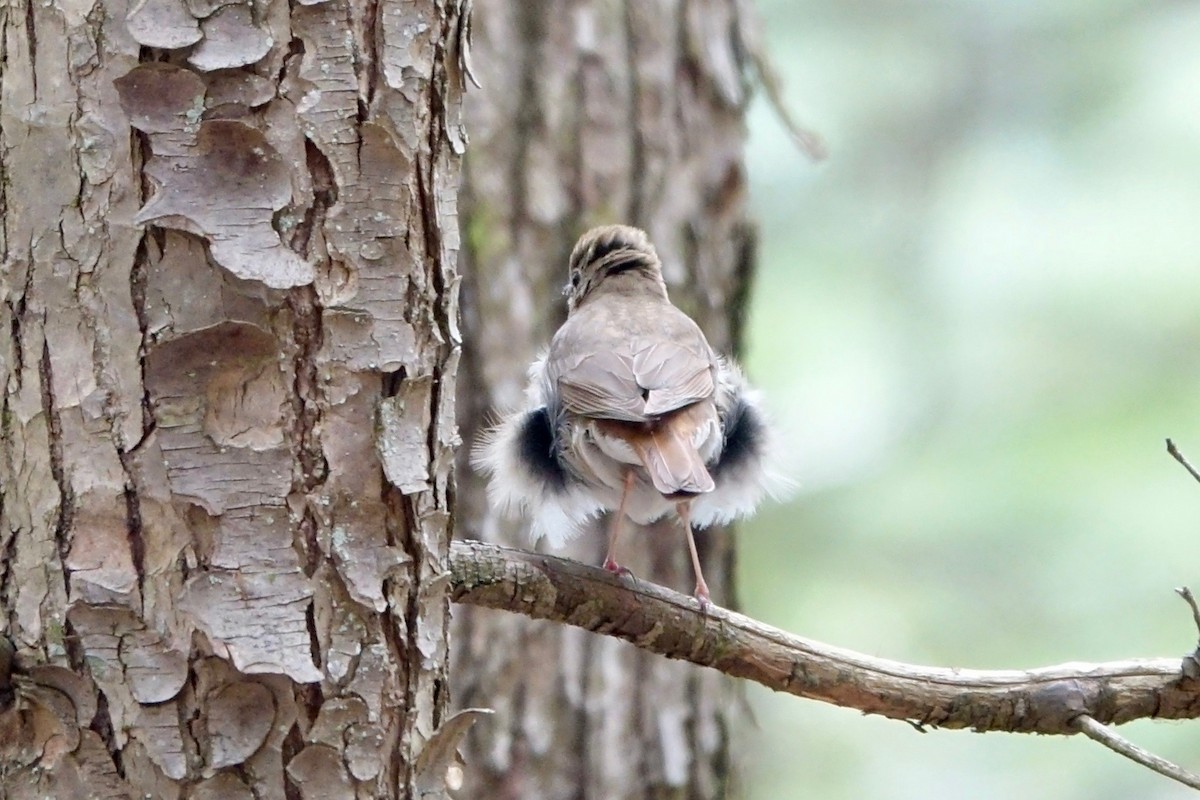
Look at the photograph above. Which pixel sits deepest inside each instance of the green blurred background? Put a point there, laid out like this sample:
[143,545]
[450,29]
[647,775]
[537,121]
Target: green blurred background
[976,322]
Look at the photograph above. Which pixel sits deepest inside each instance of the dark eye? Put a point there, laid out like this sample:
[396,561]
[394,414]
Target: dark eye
[575,278]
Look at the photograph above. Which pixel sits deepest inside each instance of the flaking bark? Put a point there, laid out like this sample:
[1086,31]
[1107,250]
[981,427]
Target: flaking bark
[227,354]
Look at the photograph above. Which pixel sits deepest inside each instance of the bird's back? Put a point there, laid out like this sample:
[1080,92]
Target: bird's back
[613,359]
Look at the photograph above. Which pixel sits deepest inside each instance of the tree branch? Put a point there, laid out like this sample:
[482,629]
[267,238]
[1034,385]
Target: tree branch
[1178,456]
[1119,744]
[1046,700]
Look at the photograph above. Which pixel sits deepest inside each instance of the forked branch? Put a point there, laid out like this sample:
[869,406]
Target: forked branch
[1064,699]
[1119,744]
[1044,700]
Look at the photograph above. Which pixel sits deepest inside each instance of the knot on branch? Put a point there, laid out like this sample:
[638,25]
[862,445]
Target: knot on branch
[1055,706]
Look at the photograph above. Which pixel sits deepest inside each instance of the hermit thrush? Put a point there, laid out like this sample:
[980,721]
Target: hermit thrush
[630,411]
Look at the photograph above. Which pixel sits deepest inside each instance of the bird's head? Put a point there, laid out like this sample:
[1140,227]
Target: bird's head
[609,256]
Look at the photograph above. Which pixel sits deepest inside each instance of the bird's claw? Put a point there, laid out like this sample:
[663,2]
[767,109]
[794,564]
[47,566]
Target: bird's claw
[612,566]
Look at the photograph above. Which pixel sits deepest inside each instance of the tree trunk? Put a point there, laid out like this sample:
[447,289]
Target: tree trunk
[597,112]
[228,351]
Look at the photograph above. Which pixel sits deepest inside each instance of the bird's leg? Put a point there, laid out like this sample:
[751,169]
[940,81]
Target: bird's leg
[614,532]
[701,593]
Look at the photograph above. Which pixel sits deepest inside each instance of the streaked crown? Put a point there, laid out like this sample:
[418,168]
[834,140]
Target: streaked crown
[607,251]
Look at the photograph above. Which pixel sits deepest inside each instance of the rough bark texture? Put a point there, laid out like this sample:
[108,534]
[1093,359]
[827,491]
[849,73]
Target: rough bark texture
[1048,700]
[227,354]
[595,112]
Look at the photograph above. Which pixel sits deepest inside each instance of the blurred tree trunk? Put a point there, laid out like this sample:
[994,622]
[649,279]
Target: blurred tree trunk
[228,350]
[595,112]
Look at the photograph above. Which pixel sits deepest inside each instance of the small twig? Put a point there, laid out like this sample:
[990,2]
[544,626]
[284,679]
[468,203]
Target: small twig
[1190,599]
[1119,744]
[1178,456]
[807,140]
[1191,662]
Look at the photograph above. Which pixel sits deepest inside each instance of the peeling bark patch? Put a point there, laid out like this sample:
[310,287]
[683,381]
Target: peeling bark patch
[216,439]
[231,39]
[77,689]
[139,673]
[237,88]
[165,24]
[194,360]
[240,716]
[320,775]
[101,559]
[344,632]
[364,751]
[272,701]
[336,716]
[158,731]
[408,50]
[220,398]
[402,440]
[361,340]
[186,293]
[363,557]
[162,99]
[156,672]
[446,402]
[245,406]
[374,675]
[258,621]
[219,179]
[242,181]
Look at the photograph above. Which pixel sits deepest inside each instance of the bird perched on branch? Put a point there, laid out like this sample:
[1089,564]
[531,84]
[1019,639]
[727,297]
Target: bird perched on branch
[630,411]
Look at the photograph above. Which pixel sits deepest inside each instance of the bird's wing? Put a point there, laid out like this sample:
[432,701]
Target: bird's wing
[636,382]
[601,384]
[674,374]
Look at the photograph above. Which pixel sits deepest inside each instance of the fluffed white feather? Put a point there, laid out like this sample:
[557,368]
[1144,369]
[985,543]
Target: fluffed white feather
[559,512]
[556,513]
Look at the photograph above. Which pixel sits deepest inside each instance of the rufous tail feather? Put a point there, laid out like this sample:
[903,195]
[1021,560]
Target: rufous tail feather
[670,458]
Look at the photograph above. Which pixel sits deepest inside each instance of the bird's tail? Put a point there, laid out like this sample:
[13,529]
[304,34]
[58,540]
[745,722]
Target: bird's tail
[667,450]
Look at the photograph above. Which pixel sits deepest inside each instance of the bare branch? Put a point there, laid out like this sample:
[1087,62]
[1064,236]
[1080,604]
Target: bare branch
[807,140]
[1119,744]
[1191,662]
[1045,700]
[1178,456]
[1190,599]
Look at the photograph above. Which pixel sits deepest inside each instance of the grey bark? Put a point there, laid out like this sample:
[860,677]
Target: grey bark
[228,349]
[1046,700]
[594,112]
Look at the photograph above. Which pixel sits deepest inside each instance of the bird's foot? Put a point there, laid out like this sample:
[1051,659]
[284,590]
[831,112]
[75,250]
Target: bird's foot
[610,565]
[701,595]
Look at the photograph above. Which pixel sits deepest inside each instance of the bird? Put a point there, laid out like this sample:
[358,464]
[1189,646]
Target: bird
[629,411]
